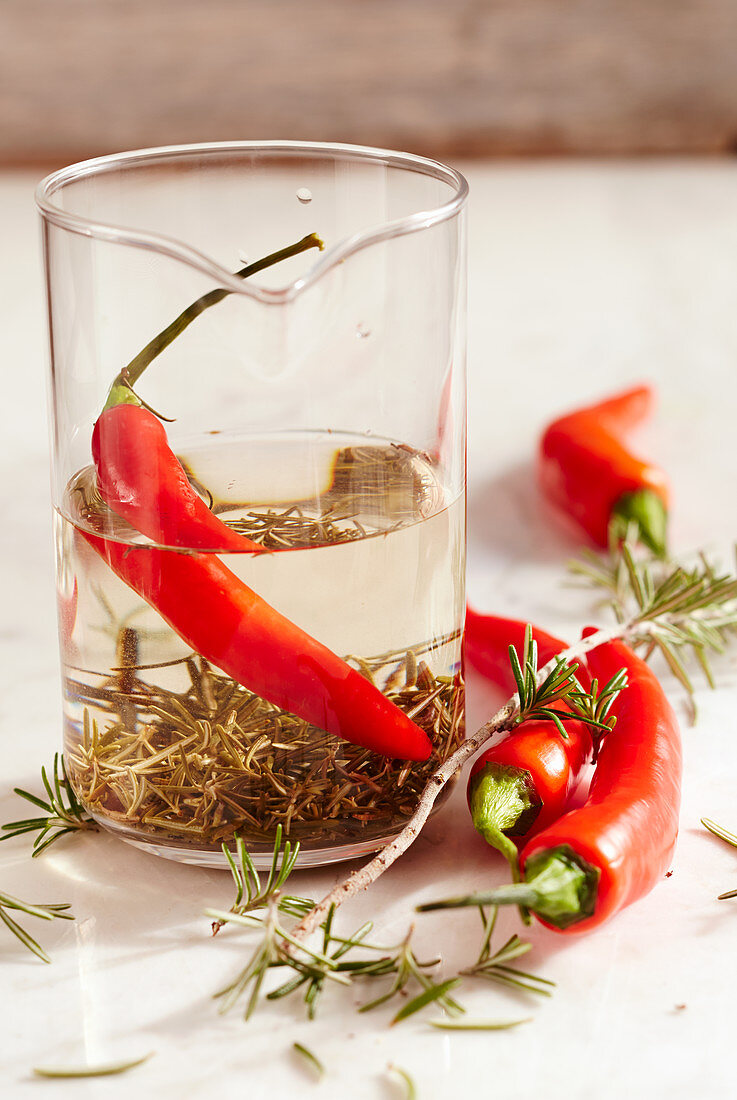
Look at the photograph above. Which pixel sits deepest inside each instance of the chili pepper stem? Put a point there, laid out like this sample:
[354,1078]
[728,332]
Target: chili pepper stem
[561,889]
[130,374]
[499,796]
[646,510]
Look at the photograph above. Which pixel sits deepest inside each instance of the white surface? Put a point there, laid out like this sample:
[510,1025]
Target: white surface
[582,278]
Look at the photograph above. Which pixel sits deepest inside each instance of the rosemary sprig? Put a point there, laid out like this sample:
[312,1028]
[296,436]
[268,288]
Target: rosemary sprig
[251,893]
[682,612]
[537,695]
[407,968]
[261,907]
[276,948]
[492,965]
[354,968]
[43,912]
[63,813]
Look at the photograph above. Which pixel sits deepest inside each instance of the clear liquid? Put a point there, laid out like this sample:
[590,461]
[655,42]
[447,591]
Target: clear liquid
[366,556]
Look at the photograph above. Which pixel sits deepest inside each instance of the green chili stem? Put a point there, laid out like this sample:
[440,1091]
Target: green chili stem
[120,392]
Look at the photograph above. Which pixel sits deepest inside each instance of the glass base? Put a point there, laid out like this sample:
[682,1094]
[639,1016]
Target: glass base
[204,857]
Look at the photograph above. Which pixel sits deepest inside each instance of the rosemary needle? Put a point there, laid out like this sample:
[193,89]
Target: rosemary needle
[478,1025]
[410,1090]
[308,1058]
[104,1069]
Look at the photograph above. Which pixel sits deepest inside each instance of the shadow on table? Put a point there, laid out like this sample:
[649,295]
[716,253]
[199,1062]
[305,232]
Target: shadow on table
[509,518]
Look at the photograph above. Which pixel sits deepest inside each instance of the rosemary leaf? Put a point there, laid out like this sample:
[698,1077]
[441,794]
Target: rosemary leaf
[478,1025]
[410,1089]
[103,1069]
[309,1058]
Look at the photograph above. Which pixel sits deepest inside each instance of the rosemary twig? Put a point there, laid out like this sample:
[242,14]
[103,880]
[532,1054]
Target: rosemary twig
[63,813]
[43,912]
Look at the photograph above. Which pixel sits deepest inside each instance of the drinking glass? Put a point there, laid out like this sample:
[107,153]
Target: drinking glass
[316,408]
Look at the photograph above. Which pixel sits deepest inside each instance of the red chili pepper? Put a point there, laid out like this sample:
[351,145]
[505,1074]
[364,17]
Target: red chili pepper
[599,858]
[225,621]
[585,468]
[525,781]
[142,480]
[487,641]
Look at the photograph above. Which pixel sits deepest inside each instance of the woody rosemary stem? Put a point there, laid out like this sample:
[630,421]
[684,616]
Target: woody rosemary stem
[363,878]
[120,392]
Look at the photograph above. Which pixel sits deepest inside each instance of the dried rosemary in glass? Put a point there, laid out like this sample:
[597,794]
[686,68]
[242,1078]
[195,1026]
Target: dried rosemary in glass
[200,765]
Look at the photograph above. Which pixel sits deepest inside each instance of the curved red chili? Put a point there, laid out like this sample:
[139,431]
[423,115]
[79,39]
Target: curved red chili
[585,468]
[525,781]
[142,480]
[599,858]
[225,621]
[486,646]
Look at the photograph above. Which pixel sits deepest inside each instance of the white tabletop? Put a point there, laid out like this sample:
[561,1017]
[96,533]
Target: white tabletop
[583,278]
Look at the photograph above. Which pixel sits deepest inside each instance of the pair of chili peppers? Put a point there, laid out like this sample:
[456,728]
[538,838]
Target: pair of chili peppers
[585,468]
[525,781]
[141,479]
[582,867]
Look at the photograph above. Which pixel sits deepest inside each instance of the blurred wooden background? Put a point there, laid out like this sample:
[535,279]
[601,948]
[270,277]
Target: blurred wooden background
[448,77]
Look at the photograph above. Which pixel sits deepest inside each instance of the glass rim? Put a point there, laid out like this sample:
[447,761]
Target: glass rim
[179,250]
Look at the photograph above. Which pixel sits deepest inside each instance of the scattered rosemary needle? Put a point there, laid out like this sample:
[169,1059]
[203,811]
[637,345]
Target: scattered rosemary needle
[478,1025]
[410,1089]
[104,1069]
[309,1058]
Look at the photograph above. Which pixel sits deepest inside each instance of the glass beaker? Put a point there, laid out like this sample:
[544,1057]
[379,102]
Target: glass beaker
[261,597]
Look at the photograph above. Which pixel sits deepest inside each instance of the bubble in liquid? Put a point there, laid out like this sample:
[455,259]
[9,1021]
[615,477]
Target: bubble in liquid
[362,333]
[304,195]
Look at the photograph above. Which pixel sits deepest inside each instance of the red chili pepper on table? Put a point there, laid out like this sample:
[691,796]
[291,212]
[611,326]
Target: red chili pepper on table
[525,781]
[487,641]
[599,858]
[585,468]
